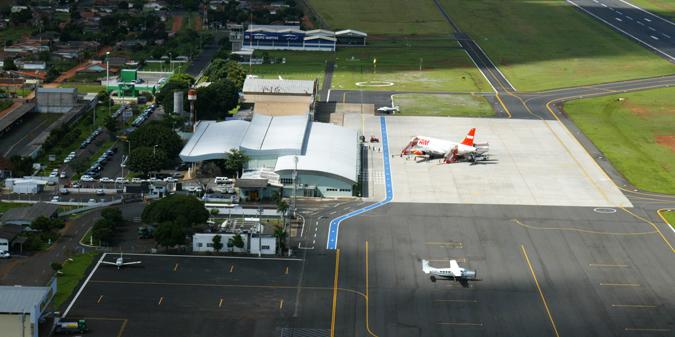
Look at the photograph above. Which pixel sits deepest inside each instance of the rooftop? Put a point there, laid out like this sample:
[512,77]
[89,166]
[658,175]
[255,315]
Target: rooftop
[30,213]
[17,299]
[268,86]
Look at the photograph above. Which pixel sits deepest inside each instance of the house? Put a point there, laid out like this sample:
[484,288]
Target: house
[31,65]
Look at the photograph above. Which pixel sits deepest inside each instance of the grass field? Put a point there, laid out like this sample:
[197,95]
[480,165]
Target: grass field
[5,206]
[670,218]
[83,88]
[664,8]
[462,105]
[73,272]
[444,67]
[298,66]
[383,17]
[548,44]
[637,134]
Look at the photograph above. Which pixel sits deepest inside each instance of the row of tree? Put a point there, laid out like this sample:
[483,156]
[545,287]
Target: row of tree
[105,228]
[177,216]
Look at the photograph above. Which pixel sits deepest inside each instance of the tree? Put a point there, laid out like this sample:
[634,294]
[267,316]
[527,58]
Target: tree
[216,100]
[186,210]
[169,234]
[236,74]
[157,133]
[111,124]
[9,64]
[280,234]
[282,208]
[230,70]
[21,166]
[235,161]
[56,266]
[146,159]
[45,224]
[236,241]
[217,244]
[112,214]
[177,82]
[103,231]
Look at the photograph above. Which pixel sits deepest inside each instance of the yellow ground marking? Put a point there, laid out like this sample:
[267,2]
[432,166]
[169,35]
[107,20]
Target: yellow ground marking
[286,271]
[603,265]
[175,267]
[367,302]
[647,329]
[541,293]
[458,301]
[645,194]
[664,210]
[220,303]
[99,299]
[231,268]
[548,106]
[161,299]
[335,289]
[503,105]
[281,304]
[639,306]
[460,323]
[619,284]
[656,228]
[572,229]
[122,327]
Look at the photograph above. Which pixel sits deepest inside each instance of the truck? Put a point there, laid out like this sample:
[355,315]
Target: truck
[69,327]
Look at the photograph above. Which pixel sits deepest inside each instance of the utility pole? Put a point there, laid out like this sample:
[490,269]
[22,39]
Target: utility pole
[260,230]
[107,84]
[295,184]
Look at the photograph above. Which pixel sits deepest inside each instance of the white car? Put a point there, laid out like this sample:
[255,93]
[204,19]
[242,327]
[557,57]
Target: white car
[136,180]
[120,180]
[100,192]
[170,180]
[86,178]
[92,201]
[4,254]
[153,180]
[56,198]
[106,180]
[63,175]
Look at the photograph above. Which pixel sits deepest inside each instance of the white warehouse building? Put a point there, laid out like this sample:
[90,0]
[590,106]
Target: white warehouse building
[326,156]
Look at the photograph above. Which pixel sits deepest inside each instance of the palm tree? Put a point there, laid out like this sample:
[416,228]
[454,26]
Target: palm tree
[282,208]
[280,234]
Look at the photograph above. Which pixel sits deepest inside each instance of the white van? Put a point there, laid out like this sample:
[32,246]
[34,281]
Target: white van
[223,180]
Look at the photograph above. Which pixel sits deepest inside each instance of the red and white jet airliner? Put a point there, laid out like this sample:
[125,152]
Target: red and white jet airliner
[428,147]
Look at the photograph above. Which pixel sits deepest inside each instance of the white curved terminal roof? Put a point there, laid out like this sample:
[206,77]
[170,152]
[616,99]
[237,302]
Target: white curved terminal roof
[320,148]
[213,140]
[330,149]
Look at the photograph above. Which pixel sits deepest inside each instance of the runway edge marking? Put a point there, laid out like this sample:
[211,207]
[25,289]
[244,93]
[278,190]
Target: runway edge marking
[334,228]
[65,313]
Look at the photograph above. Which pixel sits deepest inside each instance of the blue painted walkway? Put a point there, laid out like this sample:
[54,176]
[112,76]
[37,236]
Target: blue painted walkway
[334,228]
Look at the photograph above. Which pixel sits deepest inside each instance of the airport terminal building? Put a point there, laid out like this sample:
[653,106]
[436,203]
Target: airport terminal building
[325,156]
[282,37]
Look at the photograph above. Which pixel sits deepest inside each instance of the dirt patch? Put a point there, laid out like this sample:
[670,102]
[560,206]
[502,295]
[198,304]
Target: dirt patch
[177,23]
[637,109]
[667,141]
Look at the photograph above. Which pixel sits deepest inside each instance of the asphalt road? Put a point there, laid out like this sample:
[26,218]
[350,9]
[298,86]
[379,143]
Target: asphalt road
[650,30]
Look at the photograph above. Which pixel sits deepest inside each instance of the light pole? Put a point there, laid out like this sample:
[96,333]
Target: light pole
[107,83]
[295,185]
[260,230]
[154,149]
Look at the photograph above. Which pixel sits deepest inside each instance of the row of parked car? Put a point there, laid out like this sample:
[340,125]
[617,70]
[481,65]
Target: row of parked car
[91,138]
[69,157]
[120,110]
[95,169]
[144,115]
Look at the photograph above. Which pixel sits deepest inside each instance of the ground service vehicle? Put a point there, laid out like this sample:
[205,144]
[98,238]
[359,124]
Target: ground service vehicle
[70,327]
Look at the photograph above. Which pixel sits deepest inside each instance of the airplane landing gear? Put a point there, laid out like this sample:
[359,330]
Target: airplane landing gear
[432,278]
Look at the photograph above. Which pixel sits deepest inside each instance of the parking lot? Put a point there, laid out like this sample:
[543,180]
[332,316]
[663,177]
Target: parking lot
[205,296]
[599,274]
[534,163]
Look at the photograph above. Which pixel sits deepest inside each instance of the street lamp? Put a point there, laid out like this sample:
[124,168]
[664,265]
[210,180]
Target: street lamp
[154,149]
[107,83]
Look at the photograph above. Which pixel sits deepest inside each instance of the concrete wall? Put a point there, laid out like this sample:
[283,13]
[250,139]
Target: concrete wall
[11,326]
[327,186]
[268,243]
[203,242]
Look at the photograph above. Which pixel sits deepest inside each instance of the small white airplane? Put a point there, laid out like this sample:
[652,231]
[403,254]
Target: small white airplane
[455,272]
[119,262]
[451,152]
[388,109]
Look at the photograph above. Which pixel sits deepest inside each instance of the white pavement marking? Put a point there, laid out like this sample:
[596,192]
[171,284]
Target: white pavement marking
[648,12]
[628,17]
[653,37]
[495,65]
[648,20]
[651,28]
[328,98]
[671,58]
[217,257]
[480,70]
[65,313]
[640,23]
[617,19]
[666,35]
[617,12]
